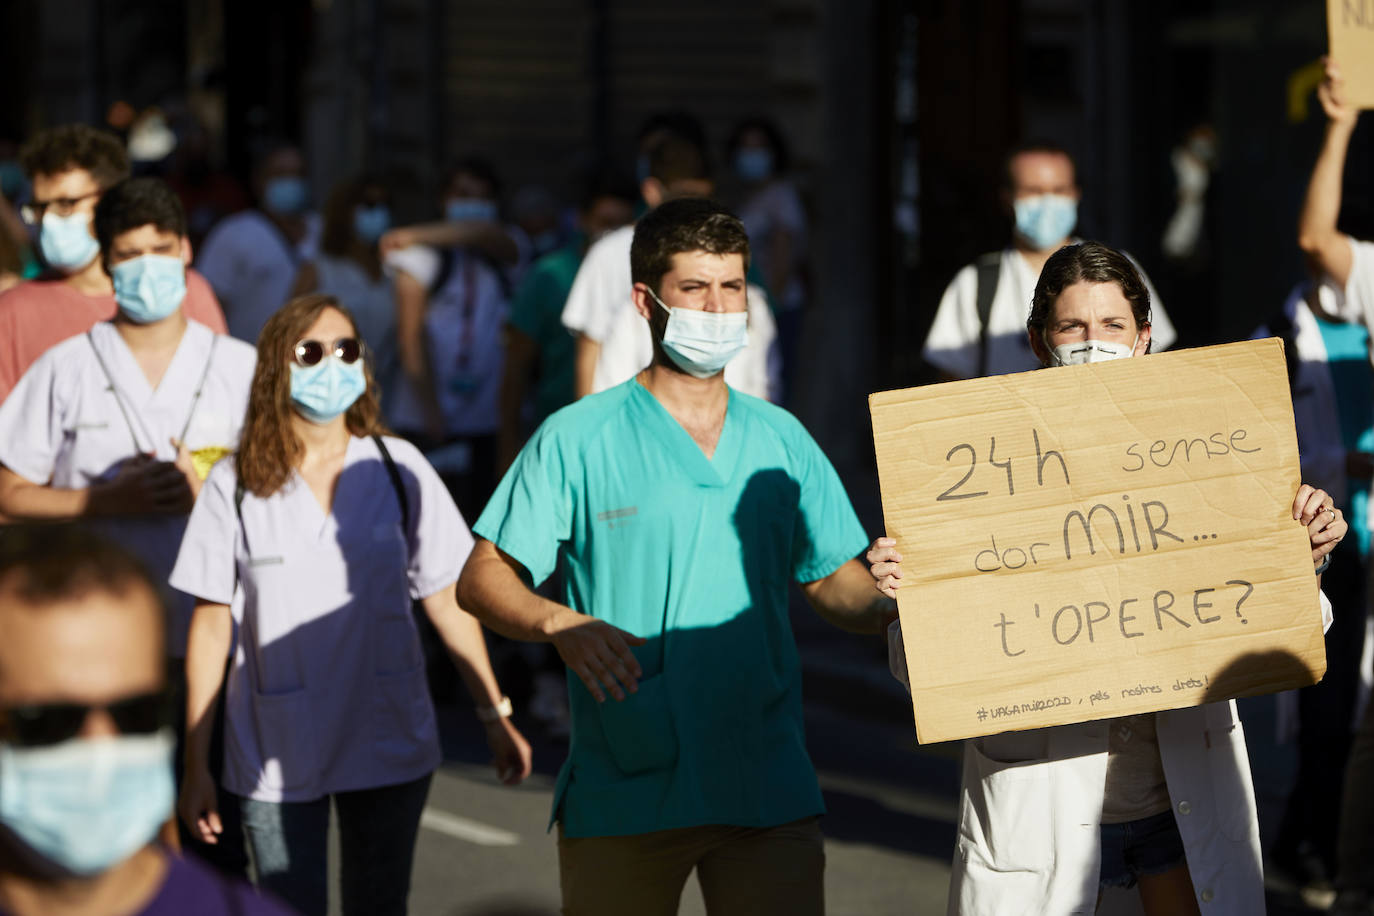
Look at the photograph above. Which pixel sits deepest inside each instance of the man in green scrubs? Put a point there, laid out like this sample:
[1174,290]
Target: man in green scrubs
[677,511]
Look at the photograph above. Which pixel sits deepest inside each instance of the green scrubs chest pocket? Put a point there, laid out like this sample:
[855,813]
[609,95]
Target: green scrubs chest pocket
[639,729]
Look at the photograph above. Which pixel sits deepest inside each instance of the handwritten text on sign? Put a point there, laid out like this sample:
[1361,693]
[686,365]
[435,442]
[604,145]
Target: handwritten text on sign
[1097,541]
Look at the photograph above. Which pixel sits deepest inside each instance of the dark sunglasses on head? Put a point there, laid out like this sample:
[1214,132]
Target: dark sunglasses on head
[38,724]
[310,352]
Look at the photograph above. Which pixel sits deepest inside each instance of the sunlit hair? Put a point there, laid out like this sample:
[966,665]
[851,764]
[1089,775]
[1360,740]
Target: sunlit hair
[1090,262]
[269,448]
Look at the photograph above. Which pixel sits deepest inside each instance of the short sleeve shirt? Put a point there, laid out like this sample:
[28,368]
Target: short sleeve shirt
[954,339]
[464,318]
[695,555]
[252,267]
[69,424]
[601,289]
[536,311]
[327,691]
[40,314]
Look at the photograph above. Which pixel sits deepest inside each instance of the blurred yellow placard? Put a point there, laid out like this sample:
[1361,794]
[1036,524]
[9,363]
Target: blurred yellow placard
[1350,27]
[1096,541]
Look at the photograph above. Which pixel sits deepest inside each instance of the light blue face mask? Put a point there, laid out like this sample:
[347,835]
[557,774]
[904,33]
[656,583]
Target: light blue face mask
[323,391]
[371,223]
[149,287]
[66,241]
[470,209]
[701,342]
[754,163]
[1045,220]
[286,195]
[88,803]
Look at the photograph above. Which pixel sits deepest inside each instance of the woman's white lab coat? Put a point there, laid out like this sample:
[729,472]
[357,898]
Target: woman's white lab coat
[1030,812]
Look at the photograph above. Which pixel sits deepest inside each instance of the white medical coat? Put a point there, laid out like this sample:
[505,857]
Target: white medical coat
[1030,812]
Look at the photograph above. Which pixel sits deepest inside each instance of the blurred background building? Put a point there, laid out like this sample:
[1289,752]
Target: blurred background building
[898,113]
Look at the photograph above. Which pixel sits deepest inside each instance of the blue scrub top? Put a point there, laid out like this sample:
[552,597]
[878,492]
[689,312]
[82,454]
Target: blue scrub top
[695,555]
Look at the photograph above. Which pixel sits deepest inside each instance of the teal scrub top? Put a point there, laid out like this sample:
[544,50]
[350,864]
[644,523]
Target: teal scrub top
[537,311]
[695,555]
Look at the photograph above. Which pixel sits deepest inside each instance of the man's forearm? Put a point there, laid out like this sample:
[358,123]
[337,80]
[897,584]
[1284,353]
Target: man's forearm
[22,499]
[492,591]
[848,599]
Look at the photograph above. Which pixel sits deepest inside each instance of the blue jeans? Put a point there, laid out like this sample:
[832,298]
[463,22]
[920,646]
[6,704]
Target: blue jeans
[288,843]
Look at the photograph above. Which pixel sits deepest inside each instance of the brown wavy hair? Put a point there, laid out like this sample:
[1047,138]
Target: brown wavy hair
[269,448]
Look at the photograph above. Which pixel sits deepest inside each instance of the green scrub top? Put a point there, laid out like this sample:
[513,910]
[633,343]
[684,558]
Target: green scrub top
[537,311]
[695,555]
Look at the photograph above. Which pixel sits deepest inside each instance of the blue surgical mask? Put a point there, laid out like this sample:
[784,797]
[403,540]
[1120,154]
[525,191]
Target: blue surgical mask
[702,342]
[66,241]
[149,287]
[754,163]
[1045,219]
[89,803]
[470,209]
[370,223]
[323,391]
[286,195]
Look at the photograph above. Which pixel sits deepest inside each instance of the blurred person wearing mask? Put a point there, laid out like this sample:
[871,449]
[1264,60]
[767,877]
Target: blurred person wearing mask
[70,167]
[774,217]
[356,215]
[252,257]
[612,342]
[85,739]
[979,328]
[452,284]
[538,346]
[311,544]
[119,426]
[1346,267]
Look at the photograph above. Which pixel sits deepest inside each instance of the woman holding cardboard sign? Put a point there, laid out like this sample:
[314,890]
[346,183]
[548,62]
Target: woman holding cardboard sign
[1051,818]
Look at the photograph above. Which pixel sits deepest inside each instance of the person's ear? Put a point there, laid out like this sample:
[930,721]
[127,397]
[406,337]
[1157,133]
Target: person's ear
[1142,344]
[187,255]
[643,303]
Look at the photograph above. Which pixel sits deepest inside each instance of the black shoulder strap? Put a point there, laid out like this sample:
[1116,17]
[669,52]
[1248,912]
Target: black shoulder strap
[238,511]
[396,484]
[988,269]
[446,259]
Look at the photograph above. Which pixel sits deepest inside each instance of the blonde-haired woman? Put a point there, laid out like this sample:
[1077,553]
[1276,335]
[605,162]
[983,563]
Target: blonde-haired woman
[315,539]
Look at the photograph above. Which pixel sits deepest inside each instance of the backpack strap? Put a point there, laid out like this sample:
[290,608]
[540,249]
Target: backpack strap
[987,273]
[396,483]
[238,511]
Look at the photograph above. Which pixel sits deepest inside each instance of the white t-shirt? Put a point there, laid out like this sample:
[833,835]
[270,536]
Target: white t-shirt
[953,341]
[327,690]
[757,370]
[602,286]
[252,267]
[64,426]
[1356,301]
[463,327]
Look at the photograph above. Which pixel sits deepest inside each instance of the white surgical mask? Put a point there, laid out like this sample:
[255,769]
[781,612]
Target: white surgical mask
[1081,352]
[702,342]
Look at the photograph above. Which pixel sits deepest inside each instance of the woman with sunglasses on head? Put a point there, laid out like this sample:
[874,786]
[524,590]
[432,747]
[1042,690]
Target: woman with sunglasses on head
[314,540]
[1052,818]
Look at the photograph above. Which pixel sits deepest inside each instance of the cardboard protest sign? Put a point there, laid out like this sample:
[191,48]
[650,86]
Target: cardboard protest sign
[1350,26]
[1094,541]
